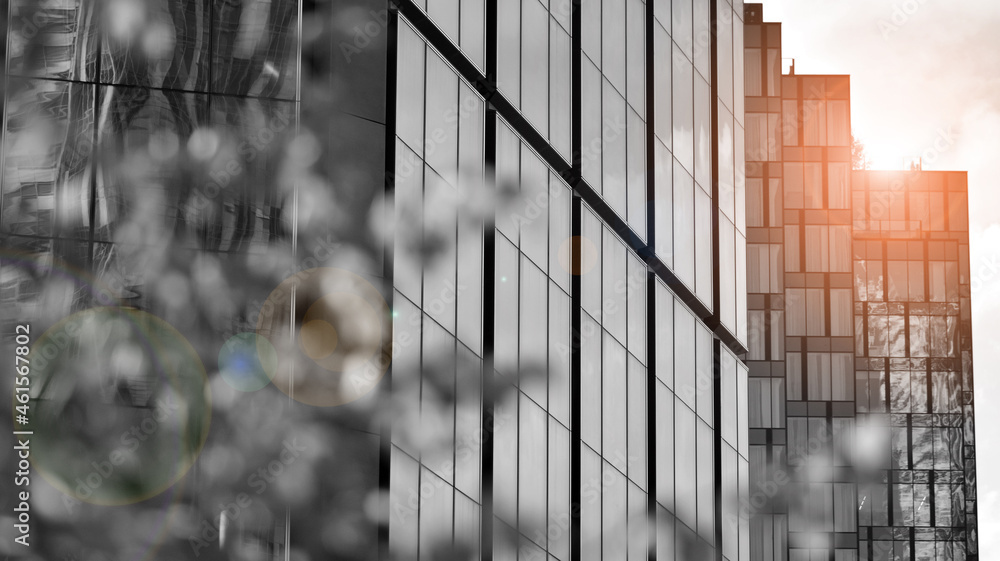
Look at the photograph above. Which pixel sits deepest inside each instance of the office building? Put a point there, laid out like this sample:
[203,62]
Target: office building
[547,195]
[860,347]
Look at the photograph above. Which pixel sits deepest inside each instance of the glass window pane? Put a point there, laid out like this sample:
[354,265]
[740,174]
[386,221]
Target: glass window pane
[790,120]
[614,150]
[637,422]
[816,320]
[812,185]
[613,43]
[706,482]
[535,64]
[663,205]
[591,121]
[590,511]
[702,132]
[662,77]
[753,72]
[685,377]
[591,381]
[686,466]
[509,50]
[684,225]
[614,301]
[703,245]
[838,185]
[664,446]
[635,291]
[664,335]
[559,492]
[559,83]
[842,376]
[533,347]
[591,249]
[506,316]
[838,123]
[794,187]
[532,470]
[410,100]
[614,401]
[442,98]
[559,354]
[841,308]
[683,111]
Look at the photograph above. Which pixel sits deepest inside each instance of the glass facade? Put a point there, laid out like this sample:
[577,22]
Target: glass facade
[603,411]
[859,345]
[528,279]
[543,199]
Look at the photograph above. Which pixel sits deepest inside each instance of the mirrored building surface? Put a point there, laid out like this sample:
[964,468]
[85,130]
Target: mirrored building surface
[544,200]
[860,388]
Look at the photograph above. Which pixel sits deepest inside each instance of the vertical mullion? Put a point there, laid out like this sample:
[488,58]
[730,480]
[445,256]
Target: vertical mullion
[651,410]
[716,320]
[385,436]
[94,149]
[576,451]
[489,329]
[650,68]
[577,93]
[717,440]
[576,293]
[489,294]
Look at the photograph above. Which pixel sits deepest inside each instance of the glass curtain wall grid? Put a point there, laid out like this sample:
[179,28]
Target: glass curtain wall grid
[547,195]
[607,138]
[859,345]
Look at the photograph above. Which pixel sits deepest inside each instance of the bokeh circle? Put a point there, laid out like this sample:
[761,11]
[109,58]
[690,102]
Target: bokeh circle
[589,256]
[119,405]
[247,362]
[333,333]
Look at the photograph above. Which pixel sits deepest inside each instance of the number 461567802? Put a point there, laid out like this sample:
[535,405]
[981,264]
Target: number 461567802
[22,367]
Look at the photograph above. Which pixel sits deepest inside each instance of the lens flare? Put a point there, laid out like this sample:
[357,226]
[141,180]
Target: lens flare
[342,331]
[119,406]
[247,362]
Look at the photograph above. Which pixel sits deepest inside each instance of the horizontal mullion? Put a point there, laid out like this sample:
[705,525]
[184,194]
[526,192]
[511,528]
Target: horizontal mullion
[487,87]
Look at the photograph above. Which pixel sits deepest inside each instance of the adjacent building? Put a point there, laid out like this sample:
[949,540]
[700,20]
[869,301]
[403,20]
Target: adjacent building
[860,391]
[626,296]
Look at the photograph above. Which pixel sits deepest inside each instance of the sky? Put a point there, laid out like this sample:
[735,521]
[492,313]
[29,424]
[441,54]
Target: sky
[925,82]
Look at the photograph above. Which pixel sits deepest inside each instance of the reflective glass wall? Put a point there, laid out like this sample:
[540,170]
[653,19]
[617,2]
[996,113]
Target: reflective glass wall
[592,400]
[914,364]
[464,279]
[171,168]
[860,381]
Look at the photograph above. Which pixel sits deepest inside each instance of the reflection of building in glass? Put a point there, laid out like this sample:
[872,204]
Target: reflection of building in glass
[860,390]
[566,253]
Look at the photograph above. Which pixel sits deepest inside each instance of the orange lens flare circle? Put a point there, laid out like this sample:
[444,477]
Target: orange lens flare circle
[332,331]
[588,255]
